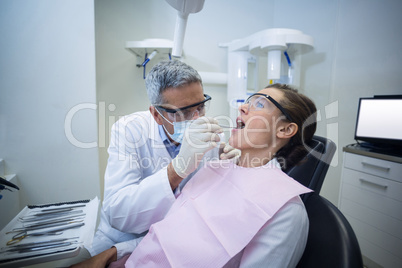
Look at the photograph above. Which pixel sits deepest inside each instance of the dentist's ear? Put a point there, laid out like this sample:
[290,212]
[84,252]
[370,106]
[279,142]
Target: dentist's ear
[156,115]
[287,130]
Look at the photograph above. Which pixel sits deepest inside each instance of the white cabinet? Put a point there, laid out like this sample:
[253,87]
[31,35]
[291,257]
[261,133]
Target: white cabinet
[371,199]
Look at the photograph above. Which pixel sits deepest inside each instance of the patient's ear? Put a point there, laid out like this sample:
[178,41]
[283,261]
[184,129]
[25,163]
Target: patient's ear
[156,115]
[288,130]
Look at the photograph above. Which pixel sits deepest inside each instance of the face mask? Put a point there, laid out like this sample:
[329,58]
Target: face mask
[179,128]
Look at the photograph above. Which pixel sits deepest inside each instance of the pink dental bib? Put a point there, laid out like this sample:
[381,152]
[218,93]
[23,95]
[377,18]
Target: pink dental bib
[217,214]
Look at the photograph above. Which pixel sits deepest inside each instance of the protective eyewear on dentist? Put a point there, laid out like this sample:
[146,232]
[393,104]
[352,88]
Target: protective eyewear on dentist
[186,112]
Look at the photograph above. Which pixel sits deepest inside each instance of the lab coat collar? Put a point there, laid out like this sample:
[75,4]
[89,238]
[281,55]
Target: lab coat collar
[153,133]
[155,137]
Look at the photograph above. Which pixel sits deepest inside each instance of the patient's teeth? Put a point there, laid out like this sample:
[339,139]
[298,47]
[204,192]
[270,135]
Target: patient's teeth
[240,124]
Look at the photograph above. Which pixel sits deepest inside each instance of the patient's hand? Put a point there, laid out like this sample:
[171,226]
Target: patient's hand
[100,260]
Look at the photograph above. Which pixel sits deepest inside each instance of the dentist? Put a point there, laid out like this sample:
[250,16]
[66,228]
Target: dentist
[149,161]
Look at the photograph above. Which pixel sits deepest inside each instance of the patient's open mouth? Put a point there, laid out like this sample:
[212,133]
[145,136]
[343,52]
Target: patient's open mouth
[240,124]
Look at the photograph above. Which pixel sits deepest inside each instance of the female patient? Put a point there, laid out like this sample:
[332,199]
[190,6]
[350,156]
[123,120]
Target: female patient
[243,214]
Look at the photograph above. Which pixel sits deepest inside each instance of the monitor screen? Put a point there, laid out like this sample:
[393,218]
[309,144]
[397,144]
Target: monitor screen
[379,120]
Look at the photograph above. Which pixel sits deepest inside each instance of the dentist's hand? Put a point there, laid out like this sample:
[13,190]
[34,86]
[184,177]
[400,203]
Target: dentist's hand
[229,152]
[200,137]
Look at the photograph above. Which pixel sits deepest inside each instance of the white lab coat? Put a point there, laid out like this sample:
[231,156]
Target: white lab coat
[137,191]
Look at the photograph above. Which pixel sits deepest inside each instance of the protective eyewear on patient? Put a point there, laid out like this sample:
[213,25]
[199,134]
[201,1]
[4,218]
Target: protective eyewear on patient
[188,112]
[259,101]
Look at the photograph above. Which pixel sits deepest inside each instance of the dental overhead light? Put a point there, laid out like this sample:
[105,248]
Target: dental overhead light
[184,8]
[151,48]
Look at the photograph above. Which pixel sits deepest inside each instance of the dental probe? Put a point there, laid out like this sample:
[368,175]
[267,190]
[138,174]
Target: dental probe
[223,126]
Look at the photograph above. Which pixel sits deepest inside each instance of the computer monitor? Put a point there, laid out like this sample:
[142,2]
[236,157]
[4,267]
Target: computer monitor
[379,121]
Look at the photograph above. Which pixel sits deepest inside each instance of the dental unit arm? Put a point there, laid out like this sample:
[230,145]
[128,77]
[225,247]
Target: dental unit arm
[184,8]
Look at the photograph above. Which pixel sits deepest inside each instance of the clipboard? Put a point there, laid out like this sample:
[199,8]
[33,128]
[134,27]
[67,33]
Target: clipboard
[77,237]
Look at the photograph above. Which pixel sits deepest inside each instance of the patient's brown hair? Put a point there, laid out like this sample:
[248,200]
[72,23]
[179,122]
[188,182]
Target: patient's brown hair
[303,112]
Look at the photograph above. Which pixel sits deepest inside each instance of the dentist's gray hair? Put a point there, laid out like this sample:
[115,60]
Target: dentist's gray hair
[168,74]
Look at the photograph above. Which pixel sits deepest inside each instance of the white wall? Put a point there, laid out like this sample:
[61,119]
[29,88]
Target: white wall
[47,67]
[356,54]
[366,61]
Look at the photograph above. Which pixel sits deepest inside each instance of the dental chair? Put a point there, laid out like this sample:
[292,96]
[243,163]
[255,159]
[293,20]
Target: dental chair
[311,172]
[331,240]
